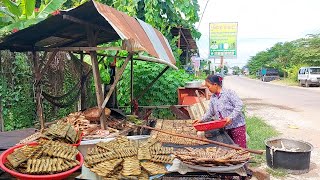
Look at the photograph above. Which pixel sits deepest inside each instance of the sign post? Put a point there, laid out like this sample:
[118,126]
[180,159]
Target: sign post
[223,40]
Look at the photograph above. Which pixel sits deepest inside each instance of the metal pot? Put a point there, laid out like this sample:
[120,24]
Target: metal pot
[292,155]
[193,84]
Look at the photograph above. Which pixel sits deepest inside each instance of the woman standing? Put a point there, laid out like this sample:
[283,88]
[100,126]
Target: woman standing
[225,104]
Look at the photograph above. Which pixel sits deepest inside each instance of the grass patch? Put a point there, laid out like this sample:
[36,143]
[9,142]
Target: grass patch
[287,82]
[252,76]
[277,172]
[258,132]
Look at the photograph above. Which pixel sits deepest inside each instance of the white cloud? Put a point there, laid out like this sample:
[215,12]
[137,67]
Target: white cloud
[261,24]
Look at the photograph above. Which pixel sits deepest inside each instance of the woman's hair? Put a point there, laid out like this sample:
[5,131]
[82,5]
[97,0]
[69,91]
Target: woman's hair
[215,79]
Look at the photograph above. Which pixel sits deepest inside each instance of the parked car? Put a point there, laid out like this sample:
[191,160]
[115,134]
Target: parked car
[309,76]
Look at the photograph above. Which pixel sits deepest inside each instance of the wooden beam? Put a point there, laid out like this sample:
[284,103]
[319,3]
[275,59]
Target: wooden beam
[96,76]
[179,41]
[179,114]
[38,90]
[184,37]
[43,70]
[83,85]
[116,80]
[131,84]
[91,48]
[82,22]
[156,60]
[73,41]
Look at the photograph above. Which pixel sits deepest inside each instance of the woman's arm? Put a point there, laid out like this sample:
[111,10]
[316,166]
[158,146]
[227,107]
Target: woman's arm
[237,103]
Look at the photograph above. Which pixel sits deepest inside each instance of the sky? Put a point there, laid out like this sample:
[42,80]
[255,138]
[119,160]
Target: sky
[261,23]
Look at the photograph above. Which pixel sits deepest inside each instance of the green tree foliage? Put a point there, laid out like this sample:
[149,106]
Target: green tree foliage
[16,91]
[163,92]
[236,70]
[19,14]
[288,57]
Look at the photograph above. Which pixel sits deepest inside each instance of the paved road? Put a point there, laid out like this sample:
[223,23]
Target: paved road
[301,99]
[293,111]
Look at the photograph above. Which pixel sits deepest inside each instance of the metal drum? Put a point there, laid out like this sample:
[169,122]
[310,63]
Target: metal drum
[292,155]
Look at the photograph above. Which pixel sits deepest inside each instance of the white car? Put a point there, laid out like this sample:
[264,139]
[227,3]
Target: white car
[309,76]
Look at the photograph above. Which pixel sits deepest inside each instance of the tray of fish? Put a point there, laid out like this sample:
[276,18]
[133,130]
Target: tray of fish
[128,159]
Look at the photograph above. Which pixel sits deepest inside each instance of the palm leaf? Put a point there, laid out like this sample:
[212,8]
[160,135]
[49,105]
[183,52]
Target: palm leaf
[13,7]
[27,7]
[50,7]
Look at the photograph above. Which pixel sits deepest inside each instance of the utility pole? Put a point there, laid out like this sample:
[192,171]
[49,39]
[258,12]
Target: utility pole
[221,65]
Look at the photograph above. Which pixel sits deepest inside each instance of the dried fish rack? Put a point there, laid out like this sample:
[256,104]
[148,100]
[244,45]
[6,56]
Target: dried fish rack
[215,135]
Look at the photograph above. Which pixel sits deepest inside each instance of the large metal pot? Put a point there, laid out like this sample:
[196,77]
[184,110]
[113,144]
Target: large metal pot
[194,84]
[292,155]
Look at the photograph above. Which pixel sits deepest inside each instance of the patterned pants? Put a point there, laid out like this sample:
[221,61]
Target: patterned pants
[238,135]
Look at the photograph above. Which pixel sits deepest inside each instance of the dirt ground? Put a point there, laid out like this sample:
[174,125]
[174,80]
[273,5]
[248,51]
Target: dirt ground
[288,120]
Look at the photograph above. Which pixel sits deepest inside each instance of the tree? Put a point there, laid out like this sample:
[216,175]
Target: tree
[288,57]
[20,14]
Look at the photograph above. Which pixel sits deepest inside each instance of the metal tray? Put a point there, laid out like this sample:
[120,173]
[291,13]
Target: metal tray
[215,169]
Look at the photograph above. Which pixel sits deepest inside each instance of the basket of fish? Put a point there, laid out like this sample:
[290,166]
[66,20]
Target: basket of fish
[41,160]
[123,158]
[61,132]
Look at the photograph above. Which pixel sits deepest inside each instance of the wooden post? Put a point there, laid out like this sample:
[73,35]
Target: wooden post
[82,98]
[83,89]
[131,88]
[38,89]
[118,76]
[1,117]
[179,41]
[96,75]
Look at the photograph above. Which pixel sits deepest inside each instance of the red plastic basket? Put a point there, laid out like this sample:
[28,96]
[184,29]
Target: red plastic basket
[58,176]
[79,141]
[216,124]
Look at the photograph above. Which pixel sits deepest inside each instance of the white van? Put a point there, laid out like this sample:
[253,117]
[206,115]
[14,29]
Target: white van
[309,76]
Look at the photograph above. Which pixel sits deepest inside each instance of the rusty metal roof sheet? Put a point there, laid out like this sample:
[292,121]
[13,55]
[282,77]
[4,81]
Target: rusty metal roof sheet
[186,38]
[56,31]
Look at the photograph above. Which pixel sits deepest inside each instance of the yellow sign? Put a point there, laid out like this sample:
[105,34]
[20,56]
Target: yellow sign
[223,39]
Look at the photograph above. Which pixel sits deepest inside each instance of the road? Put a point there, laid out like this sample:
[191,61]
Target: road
[293,111]
[302,99]
[298,107]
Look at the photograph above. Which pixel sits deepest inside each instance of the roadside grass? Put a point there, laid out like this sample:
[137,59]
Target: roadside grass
[287,82]
[277,172]
[251,76]
[258,132]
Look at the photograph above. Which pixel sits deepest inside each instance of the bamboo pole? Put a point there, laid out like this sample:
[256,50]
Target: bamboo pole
[204,140]
[38,90]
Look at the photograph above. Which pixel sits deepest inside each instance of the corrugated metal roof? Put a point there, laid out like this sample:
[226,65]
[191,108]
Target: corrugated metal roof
[56,32]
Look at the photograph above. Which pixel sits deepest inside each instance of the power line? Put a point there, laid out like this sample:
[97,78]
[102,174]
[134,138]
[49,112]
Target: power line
[205,7]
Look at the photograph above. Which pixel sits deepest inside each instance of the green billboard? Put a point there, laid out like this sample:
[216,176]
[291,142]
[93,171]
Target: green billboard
[223,39]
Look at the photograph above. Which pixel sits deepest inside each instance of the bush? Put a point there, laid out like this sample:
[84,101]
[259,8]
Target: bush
[163,92]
